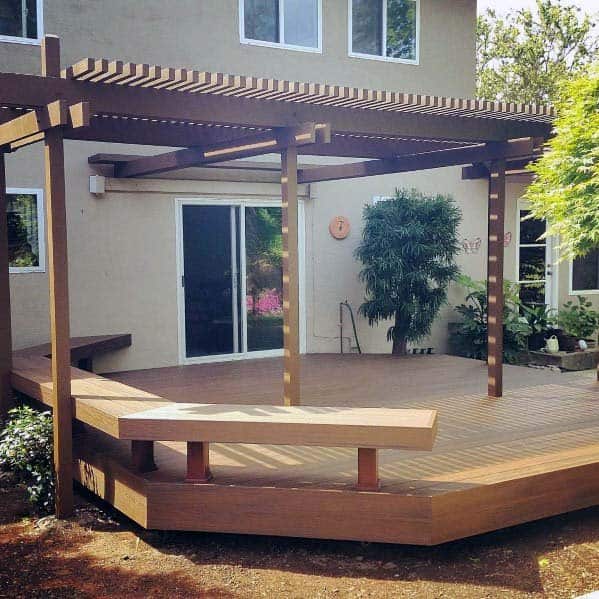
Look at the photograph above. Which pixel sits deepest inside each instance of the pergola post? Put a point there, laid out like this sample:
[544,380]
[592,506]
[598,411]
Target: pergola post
[59,296]
[5,325]
[496,217]
[291,361]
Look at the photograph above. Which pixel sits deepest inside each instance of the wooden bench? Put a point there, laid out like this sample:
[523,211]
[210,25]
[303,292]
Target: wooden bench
[83,349]
[367,429]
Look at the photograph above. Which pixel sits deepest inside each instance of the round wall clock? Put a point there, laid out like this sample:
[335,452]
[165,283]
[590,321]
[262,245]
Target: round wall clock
[339,227]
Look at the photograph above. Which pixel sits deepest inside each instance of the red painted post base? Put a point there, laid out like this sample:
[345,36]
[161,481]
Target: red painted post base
[198,462]
[142,456]
[368,470]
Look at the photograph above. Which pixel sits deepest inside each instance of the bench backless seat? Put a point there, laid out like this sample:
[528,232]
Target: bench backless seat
[367,429]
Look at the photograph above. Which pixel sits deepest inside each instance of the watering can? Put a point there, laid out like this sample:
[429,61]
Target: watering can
[552,345]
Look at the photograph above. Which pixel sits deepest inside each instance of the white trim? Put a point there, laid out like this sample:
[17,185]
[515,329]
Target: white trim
[233,202]
[571,291]
[280,44]
[32,41]
[235,298]
[383,57]
[41,229]
[301,249]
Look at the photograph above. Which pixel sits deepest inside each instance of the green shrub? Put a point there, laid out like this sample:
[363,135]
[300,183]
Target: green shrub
[580,321]
[469,338]
[408,251]
[26,450]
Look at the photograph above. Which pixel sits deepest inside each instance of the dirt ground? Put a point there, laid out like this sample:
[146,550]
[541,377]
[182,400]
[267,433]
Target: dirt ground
[101,554]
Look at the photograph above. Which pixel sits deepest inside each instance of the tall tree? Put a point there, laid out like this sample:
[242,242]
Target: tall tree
[565,190]
[408,252]
[523,56]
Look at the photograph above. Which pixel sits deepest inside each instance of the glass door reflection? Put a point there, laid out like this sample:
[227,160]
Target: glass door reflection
[264,278]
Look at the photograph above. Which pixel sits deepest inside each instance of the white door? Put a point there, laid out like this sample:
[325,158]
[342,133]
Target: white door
[536,271]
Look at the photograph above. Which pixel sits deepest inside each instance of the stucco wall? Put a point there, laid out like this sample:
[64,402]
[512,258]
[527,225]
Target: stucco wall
[205,35]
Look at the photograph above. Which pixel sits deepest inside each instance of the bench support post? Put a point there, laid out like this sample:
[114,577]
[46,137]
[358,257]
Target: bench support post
[142,456]
[368,469]
[198,462]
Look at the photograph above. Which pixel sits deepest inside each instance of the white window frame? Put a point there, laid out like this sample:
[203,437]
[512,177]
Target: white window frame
[282,45]
[384,58]
[40,29]
[41,230]
[571,290]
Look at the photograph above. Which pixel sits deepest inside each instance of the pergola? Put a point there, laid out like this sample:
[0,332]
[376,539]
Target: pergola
[216,118]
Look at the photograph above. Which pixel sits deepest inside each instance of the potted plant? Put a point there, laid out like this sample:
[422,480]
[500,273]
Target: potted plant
[577,322]
[468,338]
[541,320]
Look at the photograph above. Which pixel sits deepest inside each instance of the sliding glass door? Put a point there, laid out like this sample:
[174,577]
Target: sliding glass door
[231,297]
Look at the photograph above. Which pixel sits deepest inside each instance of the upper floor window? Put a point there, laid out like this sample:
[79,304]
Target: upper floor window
[584,273]
[294,24]
[25,219]
[21,21]
[384,29]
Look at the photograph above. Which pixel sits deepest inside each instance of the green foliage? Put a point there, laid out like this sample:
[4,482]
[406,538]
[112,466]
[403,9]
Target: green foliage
[565,191]
[539,318]
[401,28]
[469,339]
[22,230]
[26,450]
[523,56]
[408,254]
[580,321]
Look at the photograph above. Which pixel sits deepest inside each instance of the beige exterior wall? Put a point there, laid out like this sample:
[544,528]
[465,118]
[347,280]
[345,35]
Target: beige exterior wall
[205,35]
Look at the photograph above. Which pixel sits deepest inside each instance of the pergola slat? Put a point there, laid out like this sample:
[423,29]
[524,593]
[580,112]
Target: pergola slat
[325,94]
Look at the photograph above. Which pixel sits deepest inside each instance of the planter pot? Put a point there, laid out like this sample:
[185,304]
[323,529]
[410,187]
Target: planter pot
[537,341]
[567,343]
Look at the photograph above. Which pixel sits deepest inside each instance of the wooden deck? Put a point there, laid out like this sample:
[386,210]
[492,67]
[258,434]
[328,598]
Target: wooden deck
[496,462]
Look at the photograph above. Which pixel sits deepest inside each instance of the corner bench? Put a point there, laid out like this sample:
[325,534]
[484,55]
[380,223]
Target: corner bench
[367,429]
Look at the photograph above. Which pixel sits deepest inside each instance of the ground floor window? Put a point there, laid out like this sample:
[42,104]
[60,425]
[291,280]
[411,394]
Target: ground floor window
[584,274]
[25,230]
[20,20]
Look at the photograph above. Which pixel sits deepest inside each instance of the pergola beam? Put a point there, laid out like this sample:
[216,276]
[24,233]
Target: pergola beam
[245,147]
[416,162]
[36,121]
[30,127]
[139,102]
[481,171]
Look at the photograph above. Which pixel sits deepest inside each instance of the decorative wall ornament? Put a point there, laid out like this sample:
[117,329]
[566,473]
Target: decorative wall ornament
[471,246]
[507,239]
[339,227]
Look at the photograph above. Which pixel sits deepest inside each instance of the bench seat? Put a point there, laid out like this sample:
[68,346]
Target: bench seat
[284,425]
